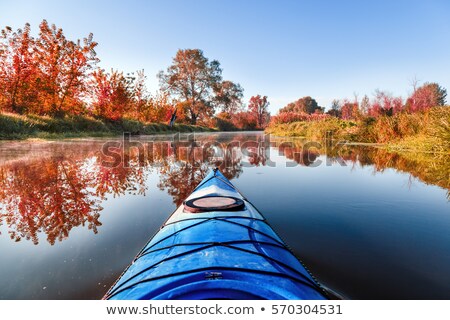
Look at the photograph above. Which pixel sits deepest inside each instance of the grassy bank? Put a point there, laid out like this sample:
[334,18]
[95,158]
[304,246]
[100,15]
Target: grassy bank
[427,131]
[15,127]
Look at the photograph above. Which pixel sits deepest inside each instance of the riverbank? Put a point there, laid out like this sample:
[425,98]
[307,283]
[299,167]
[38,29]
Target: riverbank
[425,131]
[20,127]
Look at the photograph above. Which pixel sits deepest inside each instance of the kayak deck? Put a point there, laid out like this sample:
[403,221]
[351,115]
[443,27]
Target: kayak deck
[229,254]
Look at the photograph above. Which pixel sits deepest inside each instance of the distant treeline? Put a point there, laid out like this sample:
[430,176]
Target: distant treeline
[420,123]
[50,75]
[383,104]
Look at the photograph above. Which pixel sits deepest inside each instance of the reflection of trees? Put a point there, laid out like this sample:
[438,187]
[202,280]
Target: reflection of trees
[120,180]
[55,194]
[64,188]
[429,168]
[189,163]
[180,181]
[181,173]
[298,154]
[49,195]
[230,165]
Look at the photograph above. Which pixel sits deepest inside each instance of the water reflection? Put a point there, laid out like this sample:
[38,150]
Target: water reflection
[50,193]
[190,161]
[54,194]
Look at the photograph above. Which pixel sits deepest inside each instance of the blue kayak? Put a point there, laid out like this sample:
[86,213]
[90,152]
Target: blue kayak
[216,245]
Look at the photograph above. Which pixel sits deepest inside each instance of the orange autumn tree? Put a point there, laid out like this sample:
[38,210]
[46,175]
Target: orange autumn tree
[192,79]
[64,70]
[47,75]
[116,95]
[349,110]
[18,70]
[112,94]
[258,108]
[140,95]
[160,109]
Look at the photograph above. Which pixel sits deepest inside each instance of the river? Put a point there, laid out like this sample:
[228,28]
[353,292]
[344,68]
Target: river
[367,223]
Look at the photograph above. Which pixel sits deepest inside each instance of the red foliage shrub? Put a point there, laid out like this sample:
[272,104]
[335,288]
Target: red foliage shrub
[385,104]
[427,96]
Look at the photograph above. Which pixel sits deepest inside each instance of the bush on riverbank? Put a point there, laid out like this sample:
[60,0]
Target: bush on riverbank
[316,130]
[432,133]
[428,130]
[13,126]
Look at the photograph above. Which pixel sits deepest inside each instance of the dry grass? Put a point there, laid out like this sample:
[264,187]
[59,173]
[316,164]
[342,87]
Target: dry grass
[427,131]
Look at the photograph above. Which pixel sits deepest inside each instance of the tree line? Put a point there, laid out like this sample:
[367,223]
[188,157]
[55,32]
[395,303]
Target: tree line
[383,103]
[54,76]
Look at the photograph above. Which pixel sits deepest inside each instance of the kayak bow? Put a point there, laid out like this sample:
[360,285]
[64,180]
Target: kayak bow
[216,246]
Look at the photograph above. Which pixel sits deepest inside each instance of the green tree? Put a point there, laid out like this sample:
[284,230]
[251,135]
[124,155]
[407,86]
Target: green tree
[192,78]
[440,93]
[335,108]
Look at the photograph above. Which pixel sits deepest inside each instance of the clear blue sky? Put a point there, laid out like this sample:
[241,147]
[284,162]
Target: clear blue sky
[282,49]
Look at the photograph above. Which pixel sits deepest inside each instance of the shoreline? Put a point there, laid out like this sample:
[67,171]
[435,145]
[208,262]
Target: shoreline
[28,127]
[403,132]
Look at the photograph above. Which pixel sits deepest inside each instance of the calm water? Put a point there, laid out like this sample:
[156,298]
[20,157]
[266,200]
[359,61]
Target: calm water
[368,224]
